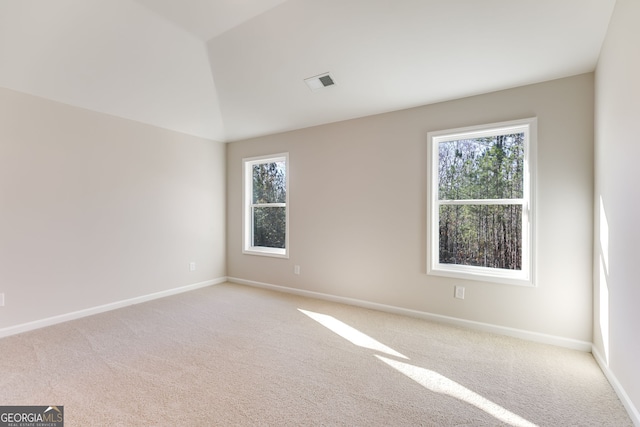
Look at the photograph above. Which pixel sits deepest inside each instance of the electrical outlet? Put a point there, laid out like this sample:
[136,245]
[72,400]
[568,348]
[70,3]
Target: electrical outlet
[459,292]
[296,269]
[192,266]
[2,300]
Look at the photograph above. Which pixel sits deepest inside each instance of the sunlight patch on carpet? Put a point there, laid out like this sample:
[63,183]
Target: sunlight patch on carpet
[351,334]
[440,384]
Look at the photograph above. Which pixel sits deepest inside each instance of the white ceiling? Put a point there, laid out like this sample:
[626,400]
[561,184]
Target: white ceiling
[233,69]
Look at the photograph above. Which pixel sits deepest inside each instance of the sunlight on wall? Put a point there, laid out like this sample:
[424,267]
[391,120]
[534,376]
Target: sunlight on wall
[603,306]
[351,334]
[603,302]
[429,379]
[604,235]
[441,384]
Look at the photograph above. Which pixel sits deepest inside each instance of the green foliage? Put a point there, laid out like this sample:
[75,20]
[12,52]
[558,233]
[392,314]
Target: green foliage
[269,187]
[477,169]
[269,183]
[269,227]
[481,168]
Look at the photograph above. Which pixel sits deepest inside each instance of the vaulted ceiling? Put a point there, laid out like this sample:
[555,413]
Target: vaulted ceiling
[232,69]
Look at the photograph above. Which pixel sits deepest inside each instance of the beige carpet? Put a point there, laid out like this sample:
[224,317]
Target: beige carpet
[233,355]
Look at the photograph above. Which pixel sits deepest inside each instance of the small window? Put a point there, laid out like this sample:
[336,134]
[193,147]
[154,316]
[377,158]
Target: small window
[266,206]
[480,216]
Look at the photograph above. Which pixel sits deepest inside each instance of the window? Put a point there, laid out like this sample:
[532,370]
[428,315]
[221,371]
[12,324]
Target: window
[480,215]
[266,206]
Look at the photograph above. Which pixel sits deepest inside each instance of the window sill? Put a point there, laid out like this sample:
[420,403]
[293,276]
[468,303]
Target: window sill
[264,251]
[493,275]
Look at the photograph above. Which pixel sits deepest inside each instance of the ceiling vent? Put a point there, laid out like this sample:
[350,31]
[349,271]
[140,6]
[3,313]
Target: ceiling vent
[320,81]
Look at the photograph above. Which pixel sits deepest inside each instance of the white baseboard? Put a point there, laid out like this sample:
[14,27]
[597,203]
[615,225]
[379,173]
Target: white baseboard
[486,327]
[37,324]
[633,412]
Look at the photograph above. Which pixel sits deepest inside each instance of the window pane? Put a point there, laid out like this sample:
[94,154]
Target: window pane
[269,227]
[481,168]
[269,183]
[481,235]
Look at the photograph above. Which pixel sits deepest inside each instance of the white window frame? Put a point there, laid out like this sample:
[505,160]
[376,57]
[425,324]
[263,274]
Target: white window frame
[247,226]
[524,277]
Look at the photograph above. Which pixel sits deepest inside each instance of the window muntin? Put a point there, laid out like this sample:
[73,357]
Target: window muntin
[266,211]
[480,216]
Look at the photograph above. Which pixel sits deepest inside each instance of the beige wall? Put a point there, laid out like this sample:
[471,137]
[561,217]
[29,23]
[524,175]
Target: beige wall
[358,209]
[617,230]
[95,209]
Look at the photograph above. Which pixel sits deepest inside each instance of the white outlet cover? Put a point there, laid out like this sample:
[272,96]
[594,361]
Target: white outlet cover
[192,266]
[459,292]
[1,300]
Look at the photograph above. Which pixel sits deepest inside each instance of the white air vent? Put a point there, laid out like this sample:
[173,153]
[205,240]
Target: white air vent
[320,81]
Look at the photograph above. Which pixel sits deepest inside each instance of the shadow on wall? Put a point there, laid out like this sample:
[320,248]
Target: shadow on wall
[602,308]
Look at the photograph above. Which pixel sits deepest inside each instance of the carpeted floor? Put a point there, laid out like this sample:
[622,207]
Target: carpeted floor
[232,355]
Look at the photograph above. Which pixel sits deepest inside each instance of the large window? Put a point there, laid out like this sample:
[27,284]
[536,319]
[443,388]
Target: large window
[266,207]
[480,193]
